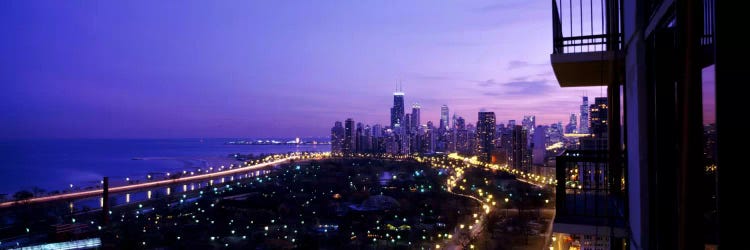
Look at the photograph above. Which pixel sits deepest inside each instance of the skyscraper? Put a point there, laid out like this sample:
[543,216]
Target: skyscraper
[337,137]
[583,126]
[415,116]
[529,123]
[485,135]
[599,117]
[462,136]
[359,138]
[377,131]
[538,147]
[460,123]
[572,127]
[444,123]
[348,145]
[367,139]
[407,123]
[397,111]
[518,155]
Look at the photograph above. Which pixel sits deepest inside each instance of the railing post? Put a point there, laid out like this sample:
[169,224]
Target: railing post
[560,173]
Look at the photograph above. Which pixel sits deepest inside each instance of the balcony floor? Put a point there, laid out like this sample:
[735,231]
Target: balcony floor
[585,68]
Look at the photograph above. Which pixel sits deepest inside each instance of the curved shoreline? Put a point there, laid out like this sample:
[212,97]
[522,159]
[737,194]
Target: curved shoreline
[112,190]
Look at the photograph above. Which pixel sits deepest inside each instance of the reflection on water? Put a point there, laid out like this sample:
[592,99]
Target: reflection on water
[385,178]
[94,203]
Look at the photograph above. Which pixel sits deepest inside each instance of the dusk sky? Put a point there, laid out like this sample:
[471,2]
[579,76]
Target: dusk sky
[167,69]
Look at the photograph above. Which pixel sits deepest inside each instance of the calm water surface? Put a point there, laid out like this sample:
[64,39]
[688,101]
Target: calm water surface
[55,164]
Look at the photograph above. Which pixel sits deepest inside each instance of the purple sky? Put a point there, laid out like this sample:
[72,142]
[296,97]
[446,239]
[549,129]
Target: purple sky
[154,69]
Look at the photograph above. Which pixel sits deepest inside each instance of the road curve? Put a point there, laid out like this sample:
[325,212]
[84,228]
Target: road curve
[90,193]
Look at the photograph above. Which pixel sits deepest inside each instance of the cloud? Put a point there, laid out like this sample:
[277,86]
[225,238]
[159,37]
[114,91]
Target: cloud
[527,87]
[487,83]
[516,64]
[517,86]
[545,74]
[520,78]
[501,6]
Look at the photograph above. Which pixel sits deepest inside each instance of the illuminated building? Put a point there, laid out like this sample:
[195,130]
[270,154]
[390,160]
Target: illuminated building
[571,128]
[397,111]
[583,126]
[444,123]
[337,137]
[349,137]
[485,135]
[415,117]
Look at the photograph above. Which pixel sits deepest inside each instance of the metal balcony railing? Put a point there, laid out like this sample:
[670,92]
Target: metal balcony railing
[708,22]
[708,18]
[581,26]
[585,190]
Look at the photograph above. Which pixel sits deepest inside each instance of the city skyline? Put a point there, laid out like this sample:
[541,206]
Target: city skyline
[208,75]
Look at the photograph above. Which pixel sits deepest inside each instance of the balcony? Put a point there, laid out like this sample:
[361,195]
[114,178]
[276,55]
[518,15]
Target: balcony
[589,201]
[587,42]
[659,9]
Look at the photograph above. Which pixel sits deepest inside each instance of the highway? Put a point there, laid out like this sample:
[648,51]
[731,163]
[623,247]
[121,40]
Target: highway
[151,184]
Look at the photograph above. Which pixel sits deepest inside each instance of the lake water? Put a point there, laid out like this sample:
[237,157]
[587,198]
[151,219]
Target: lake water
[55,164]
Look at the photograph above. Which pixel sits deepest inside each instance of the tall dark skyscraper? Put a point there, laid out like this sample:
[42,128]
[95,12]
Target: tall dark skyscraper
[415,117]
[518,157]
[337,137]
[397,111]
[583,126]
[359,138]
[444,122]
[377,130]
[485,135]
[539,148]
[406,125]
[367,139]
[348,145]
[599,117]
[462,136]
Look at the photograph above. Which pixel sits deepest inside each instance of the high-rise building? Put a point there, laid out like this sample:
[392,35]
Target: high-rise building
[377,130]
[571,127]
[453,120]
[518,157]
[485,135]
[598,112]
[583,126]
[538,147]
[359,138]
[415,117]
[444,123]
[511,124]
[428,141]
[337,137]
[460,123]
[407,123]
[462,136]
[367,140]
[349,137]
[529,123]
[397,111]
